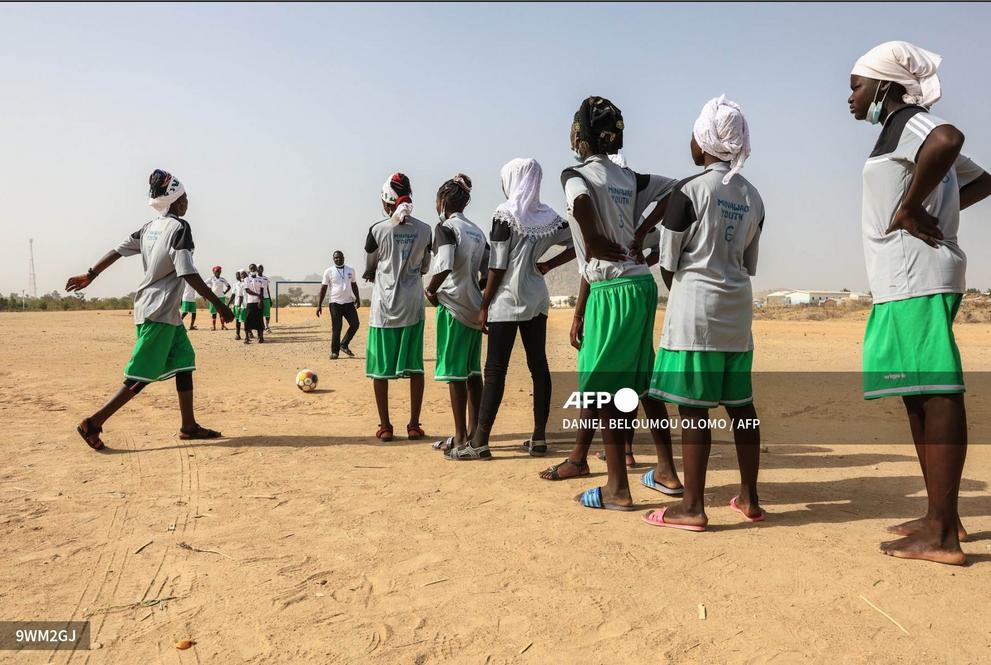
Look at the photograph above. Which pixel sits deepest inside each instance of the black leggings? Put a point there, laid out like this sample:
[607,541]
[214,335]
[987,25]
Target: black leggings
[502,337]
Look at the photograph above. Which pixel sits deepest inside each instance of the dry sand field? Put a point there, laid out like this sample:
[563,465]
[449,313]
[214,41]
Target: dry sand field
[301,539]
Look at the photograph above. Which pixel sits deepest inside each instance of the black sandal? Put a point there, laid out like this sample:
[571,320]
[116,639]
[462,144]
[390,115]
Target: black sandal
[583,470]
[87,431]
[199,432]
[535,449]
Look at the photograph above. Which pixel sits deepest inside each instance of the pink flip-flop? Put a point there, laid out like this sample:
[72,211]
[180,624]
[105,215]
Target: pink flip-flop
[656,518]
[734,506]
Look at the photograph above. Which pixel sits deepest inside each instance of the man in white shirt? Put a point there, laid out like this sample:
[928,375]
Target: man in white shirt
[254,293]
[220,287]
[267,297]
[344,304]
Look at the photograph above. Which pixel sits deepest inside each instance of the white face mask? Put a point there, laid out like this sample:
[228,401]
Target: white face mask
[874,110]
[254,274]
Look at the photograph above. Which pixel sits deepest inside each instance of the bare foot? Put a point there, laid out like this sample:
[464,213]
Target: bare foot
[912,527]
[677,514]
[667,478]
[624,499]
[750,509]
[925,545]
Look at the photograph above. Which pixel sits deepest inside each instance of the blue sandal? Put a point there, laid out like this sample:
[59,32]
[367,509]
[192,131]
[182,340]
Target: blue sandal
[592,498]
[647,480]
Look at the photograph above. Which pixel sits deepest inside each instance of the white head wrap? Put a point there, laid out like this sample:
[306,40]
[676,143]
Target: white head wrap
[403,210]
[722,131]
[619,160]
[173,191]
[906,64]
[523,210]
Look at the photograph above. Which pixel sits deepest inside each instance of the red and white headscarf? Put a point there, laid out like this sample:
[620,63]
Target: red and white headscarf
[398,192]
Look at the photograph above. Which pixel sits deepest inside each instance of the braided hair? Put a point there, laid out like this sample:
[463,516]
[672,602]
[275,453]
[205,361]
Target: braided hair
[455,194]
[598,127]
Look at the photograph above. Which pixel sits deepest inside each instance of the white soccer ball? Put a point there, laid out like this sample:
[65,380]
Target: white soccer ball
[306,380]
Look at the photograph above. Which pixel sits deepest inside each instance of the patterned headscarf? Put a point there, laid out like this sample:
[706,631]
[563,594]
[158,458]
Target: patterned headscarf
[398,192]
[599,123]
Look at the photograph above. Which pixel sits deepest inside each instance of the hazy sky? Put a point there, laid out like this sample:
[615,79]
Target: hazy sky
[283,121]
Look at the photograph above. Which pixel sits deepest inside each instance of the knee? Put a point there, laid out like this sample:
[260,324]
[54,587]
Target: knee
[134,385]
[184,381]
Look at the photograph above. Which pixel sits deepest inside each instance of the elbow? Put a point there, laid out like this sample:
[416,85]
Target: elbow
[950,138]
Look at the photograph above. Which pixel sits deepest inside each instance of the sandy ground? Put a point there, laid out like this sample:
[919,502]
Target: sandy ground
[300,539]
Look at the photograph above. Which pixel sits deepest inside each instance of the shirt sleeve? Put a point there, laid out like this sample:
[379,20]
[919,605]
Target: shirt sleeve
[651,189]
[352,280]
[181,250]
[967,170]
[574,187]
[677,229]
[131,245]
[445,246]
[500,239]
[326,277]
[915,133]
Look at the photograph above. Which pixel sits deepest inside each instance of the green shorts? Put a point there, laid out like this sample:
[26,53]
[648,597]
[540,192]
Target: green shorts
[703,379]
[909,348]
[239,313]
[267,307]
[188,307]
[161,351]
[459,349]
[617,350]
[394,353]
[209,306]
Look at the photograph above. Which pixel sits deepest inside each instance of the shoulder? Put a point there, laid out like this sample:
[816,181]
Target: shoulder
[444,234]
[907,123]
[696,182]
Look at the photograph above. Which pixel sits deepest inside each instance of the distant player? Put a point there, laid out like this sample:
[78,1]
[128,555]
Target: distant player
[254,293]
[188,306]
[267,300]
[397,255]
[709,242]
[162,350]
[220,288]
[461,257]
[344,304]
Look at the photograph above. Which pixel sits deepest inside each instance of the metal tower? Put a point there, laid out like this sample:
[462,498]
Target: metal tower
[32,282]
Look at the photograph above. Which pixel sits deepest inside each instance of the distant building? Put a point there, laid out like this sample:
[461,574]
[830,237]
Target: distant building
[801,297]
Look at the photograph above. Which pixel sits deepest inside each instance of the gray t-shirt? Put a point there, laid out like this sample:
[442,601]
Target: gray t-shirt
[522,293]
[899,265]
[709,241]
[166,248]
[396,258]
[459,246]
[619,197]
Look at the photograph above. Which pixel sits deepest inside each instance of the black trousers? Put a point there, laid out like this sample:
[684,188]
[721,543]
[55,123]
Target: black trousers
[340,311]
[253,319]
[502,338]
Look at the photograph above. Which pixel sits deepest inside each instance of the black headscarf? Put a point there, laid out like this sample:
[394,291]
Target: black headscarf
[599,124]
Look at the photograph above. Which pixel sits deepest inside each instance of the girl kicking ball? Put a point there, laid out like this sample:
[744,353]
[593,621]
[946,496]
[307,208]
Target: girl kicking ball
[162,349]
[397,255]
[461,256]
[916,182]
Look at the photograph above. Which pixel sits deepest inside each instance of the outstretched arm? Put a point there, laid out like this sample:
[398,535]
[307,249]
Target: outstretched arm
[80,282]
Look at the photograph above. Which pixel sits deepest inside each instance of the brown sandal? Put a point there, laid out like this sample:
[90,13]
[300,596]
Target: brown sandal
[414,432]
[199,432]
[90,434]
[554,473]
[384,433]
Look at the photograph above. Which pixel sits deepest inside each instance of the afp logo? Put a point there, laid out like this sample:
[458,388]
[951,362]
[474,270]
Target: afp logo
[625,400]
